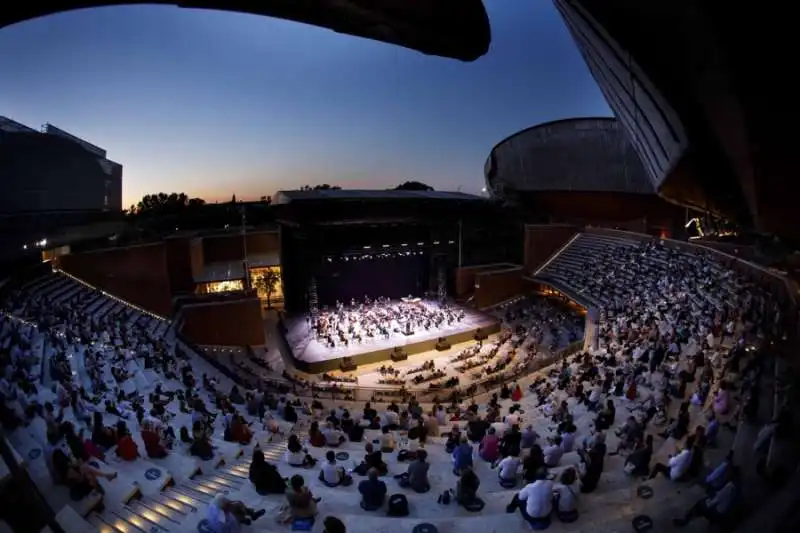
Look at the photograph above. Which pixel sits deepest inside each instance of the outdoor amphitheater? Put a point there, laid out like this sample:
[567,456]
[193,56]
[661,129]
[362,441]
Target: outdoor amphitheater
[613,325]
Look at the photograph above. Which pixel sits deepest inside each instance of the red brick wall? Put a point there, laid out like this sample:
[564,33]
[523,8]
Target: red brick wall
[236,323]
[137,274]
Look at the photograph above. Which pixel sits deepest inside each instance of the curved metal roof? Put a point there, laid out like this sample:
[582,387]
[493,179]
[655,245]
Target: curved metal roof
[428,26]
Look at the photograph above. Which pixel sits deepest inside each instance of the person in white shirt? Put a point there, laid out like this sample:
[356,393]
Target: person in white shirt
[678,465]
[553,453]
[507,469]
[333,437]
[535,503]
[331,474]
[594,398]
[566,496]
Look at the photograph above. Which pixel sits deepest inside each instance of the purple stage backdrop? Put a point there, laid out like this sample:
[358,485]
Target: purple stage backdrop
[391,277]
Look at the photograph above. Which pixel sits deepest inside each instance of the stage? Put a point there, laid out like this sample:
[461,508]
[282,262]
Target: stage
[313,357]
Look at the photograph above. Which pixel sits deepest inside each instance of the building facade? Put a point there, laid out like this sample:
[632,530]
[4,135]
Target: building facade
[54,171]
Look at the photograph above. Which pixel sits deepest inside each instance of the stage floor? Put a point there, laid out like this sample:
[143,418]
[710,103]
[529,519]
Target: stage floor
[314,357]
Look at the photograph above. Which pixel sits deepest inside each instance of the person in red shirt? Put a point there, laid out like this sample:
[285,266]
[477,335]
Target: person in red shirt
[152,442]
[126,446]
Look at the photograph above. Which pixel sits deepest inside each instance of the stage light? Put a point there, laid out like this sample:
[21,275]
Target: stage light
[451,242]
[404,244]
[367,247]
[385,245]
[435,242]
[420,244]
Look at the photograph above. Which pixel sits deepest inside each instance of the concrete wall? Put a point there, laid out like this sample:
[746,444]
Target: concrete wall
[226,323]
[138,274]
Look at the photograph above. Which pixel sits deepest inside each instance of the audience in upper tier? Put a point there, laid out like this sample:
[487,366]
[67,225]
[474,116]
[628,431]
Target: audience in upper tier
[675,330]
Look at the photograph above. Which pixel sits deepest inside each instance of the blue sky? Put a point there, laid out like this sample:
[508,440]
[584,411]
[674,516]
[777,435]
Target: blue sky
[213,103]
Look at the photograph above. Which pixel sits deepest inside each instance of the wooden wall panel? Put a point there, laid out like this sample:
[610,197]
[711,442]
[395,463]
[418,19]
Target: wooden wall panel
[542,241]
[137,274]
[494,287]
[465,276]
[236,323]
[196,257]
[179,265]
[229,247]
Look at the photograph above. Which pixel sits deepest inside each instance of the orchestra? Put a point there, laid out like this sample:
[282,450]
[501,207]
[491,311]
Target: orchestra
[381,318]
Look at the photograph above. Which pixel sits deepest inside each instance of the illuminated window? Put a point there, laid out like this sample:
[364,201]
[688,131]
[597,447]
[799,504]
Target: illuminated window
[215,287]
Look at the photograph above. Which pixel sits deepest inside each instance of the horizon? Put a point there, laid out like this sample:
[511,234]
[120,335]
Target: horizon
[214,104]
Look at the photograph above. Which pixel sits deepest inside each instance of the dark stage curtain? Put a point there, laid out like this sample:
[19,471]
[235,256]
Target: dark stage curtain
[392,277]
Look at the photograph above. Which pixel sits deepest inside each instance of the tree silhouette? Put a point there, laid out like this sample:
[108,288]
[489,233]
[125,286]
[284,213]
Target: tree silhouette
[320,187]
[267,282]
[413,186]
[165,204]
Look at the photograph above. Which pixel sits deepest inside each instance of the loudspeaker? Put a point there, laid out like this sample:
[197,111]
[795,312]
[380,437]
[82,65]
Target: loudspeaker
[348,365]
[399,355]
[442,344]
[480,335]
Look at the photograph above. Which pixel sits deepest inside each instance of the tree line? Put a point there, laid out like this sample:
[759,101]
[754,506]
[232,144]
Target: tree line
[161,203]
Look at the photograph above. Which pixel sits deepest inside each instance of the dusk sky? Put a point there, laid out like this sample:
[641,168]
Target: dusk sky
[212,103]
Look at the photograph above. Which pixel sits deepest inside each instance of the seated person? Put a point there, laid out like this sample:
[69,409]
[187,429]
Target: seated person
[593,460]
[507,469]
[417,475]
[529,437]
[296,455]
[467,486]
[224,515]
[638,461]
[568,437]
[80,477]
[462,456]
[605,418]
[372,459]
[387,442]
[240,431]
[201,444]
[554,452]
[153,444]
[265,477]
[127,449]
[302,503]
[629,433]
[566,496]
[333,436]
[331,474]
[535,503]
[103,436]
[453,439]
[677,467]
[716,509]
[533,466]
[720,475]
[315,436]
[373,491]
[489,448]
